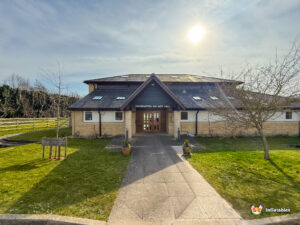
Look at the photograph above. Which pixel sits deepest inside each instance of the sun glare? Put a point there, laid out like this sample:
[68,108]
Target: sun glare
[196,34]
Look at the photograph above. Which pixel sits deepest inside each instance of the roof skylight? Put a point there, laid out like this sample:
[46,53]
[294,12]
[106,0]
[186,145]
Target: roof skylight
[97,97]
[124,76]
[120,98]
[197,98]
[214,97]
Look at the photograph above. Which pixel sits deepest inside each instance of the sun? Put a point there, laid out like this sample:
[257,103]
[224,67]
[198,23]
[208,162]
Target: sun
[196,34]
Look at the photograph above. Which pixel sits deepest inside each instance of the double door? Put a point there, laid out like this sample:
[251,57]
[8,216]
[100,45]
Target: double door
[150,121]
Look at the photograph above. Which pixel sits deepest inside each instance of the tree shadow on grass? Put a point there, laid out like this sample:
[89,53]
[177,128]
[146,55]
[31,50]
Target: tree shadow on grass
[291,179]
[34,164]
[71,187]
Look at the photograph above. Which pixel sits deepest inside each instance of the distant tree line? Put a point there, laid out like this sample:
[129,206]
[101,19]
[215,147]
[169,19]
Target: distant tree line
[18,98]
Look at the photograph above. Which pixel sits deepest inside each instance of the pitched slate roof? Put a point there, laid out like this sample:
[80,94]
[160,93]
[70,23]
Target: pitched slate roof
[162,77]
[162,85]
[108,101]
[186,93]
[182,92]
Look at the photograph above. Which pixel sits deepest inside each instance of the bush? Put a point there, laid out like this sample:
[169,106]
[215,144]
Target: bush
[186,142]
[126,144]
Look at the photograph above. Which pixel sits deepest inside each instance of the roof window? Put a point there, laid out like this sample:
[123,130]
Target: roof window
[97,97]
[174,76]
[214,97]
[124,76]
[197,98]
[120,98]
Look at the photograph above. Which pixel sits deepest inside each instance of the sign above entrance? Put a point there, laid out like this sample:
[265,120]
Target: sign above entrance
[152,106]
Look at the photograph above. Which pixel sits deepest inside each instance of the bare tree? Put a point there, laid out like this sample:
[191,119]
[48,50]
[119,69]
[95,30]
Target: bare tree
[55,79]
[264,91]
[15,81]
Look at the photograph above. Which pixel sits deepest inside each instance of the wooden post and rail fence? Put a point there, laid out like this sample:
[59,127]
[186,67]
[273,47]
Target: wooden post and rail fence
[10,124]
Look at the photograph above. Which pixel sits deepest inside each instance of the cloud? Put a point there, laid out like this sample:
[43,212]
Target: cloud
[104,38]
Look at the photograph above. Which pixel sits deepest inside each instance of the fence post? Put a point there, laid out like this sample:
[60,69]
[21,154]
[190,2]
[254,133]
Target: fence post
[33,125]
[70,122]
[17,124]
[47,122]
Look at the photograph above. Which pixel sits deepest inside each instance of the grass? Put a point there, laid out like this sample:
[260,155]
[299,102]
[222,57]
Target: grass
[84,185]
[235,167]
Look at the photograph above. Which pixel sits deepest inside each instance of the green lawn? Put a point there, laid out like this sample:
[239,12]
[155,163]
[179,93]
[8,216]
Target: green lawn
[84,185]
[235,167]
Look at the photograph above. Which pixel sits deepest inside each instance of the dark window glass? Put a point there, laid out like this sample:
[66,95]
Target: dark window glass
[119,116]
[184,115]
[88,116]
[288,115]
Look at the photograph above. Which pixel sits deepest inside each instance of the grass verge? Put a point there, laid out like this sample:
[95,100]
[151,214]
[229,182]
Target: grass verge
[235,167]
[84,185]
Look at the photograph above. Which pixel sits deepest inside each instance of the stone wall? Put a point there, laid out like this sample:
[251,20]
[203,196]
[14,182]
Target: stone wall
[128,123]
[176,123]
[224,129]
[133,122]
[91,129]
[170,122]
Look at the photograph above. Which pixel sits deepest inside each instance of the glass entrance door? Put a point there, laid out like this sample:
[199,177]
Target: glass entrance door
[151,121]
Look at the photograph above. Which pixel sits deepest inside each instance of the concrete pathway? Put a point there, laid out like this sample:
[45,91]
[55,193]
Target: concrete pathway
[161,188]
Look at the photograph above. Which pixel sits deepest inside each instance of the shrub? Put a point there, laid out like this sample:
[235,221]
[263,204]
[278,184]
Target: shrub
[126,144]
[186,142]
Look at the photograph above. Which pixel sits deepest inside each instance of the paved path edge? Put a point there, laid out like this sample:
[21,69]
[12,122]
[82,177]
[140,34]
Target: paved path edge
[7,219]
[273,220]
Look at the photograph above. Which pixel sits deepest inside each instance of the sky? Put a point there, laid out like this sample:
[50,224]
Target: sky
[94,39]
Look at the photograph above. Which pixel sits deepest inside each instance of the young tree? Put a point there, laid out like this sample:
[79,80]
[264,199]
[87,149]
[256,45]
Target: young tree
[55,79]
[263,93]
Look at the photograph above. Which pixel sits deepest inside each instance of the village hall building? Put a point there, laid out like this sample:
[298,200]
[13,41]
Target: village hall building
[134,103]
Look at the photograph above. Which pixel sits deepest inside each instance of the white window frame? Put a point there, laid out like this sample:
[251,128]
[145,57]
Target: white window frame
[187,116]
[87,121]
[116,116]
[286,113]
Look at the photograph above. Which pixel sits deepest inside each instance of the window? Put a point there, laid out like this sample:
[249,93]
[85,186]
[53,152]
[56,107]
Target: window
[118,116]
[88,116]
[120,98]
[214,97]
[97,97]
[184,115]
[197,98]
[289,115]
